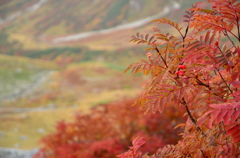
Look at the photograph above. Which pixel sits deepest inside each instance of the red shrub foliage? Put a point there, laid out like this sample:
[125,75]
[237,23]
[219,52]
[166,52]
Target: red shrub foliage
[200,73]
[108,130]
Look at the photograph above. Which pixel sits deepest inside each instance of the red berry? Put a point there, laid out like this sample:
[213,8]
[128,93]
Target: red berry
[177,72]
[182,66]
[216,43]
[214,6]
[181,73]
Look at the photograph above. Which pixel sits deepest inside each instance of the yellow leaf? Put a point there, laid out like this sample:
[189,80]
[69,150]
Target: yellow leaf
[149,49]
[127,69]
[182,124]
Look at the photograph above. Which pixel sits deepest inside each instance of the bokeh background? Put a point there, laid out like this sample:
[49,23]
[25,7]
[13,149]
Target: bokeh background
[59,57]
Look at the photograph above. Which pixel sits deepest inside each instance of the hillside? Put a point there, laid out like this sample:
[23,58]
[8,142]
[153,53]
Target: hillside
[56,17]
[38,28]
[72,75]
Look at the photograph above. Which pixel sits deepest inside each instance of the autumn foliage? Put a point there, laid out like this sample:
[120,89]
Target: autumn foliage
[108,129]
[197,69]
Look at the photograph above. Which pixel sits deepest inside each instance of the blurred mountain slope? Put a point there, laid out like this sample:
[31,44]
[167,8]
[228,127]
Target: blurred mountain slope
[89,71]
[54,19]
[10,7]
[63,17]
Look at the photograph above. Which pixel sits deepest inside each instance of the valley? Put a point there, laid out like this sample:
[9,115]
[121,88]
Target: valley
[61,58]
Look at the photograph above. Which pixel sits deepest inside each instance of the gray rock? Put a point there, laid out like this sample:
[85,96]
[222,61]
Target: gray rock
[15,129]
[23,138]
[2,133]
[41,130]
[17,145]
[15,153]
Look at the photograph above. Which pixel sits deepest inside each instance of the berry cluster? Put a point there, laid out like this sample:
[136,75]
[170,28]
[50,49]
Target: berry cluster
[180,73]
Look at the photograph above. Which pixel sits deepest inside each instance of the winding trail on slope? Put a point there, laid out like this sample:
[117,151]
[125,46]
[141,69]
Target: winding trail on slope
[135,24]
[30,9]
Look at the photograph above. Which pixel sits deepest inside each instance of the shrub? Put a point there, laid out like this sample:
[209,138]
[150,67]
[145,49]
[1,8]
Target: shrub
[107,130]
[199,72]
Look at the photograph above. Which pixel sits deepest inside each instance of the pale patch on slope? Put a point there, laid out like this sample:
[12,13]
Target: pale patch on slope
[19,13]
[135,24]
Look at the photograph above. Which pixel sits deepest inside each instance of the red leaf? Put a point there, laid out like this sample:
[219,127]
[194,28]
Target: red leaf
[226,118]
[233,130]
[202,120]
[207,37]
[215,106]
[182,92]
[210,122]
[236,84]
[236,93]
[215,114]
[169,98]
[162,104]
[186,16]
[221,115]
[237,133]
[235,115]
[237,139]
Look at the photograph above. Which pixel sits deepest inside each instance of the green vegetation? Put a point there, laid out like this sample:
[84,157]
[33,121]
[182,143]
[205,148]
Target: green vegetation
[17,72]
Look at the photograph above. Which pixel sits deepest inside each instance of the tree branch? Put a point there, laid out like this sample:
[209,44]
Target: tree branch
[191,117]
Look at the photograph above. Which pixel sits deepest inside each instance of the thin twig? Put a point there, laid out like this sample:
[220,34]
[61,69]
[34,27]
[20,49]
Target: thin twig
[186,32]
[234,35]
[226,34]
[203,154]
[202,84]
[238,29]
[161,57]
[223,80]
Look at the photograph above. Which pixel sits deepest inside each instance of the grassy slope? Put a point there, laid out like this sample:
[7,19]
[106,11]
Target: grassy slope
[15,72]
[78,87]
[58,17]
